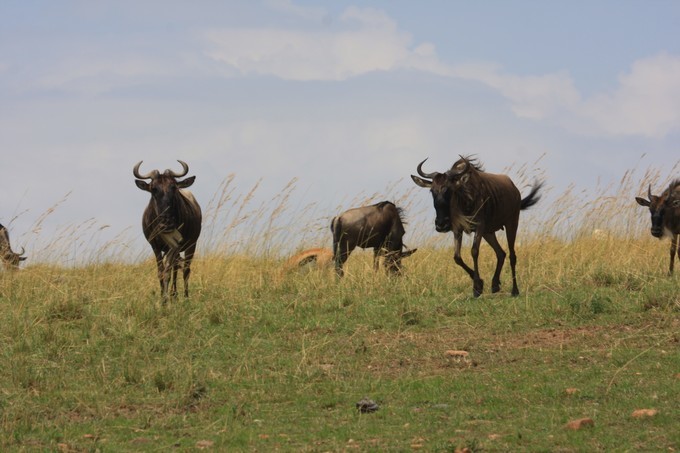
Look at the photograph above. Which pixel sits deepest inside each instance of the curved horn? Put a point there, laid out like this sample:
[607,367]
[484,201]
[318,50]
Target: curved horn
[150,175]
[22,251]
[649,192]
[178,175]
[425,175]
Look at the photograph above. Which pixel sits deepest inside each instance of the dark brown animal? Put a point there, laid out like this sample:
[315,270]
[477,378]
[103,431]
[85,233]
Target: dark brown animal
[171,223]
[9,258]
[665,210]
[469,200]
[379,226]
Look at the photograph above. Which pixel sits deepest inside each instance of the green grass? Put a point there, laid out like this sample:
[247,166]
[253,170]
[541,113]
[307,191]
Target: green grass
[257,360]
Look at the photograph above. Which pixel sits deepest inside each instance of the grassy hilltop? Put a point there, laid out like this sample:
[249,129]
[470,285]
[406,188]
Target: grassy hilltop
[260,360]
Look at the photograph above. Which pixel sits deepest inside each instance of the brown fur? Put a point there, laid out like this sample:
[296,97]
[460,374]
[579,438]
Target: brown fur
[320,256]
[172,225]
[379,226]
[665,213]
[9,258]
[469,200]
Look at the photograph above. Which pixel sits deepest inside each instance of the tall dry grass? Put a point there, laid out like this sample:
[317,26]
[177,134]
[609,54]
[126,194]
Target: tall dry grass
[236,223]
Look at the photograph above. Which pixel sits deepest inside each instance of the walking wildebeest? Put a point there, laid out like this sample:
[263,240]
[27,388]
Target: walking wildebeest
[9,258]
[171,223]
[469,200]
[665,210]
[379,226]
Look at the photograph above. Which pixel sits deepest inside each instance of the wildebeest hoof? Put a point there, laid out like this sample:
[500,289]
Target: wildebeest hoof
[367,406]
[478,288]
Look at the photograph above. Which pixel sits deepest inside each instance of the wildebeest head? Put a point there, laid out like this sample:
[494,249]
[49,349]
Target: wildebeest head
[444,188]
[660,207]
[163,188]
[10,258]
[393,259]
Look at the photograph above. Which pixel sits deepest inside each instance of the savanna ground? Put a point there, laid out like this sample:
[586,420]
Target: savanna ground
[260,360]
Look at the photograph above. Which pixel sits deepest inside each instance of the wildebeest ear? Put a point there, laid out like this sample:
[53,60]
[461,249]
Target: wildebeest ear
[186,182]
[421,182]
[142,185]
[22,258]
[461,180]
[642,201]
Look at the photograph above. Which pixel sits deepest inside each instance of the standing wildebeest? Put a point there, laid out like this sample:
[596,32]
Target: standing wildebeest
[665,210]
[171,223]
[9,258]
[379,226]
[467,199]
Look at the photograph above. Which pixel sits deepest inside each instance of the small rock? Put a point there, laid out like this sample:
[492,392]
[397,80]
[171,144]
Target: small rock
[366,405]
[571,391]
[580,423]
[644,413]
[455,353]
[204,444]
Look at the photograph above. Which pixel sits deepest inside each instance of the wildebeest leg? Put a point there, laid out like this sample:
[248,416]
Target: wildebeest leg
[170,273]
[188,257]
[175,268]
[675,248]
[458,240]
[477,282]
[511,234]
[500,259]
[161,273]
[376,258]
[342,251]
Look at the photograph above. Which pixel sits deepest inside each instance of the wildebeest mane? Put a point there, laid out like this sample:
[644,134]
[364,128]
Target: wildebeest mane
[472,160]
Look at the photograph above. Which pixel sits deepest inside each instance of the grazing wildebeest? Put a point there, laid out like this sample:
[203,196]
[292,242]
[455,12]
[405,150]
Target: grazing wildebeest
[321,256]
[467,200]
[9,258]
[379,226]
[665,210]
[171,223]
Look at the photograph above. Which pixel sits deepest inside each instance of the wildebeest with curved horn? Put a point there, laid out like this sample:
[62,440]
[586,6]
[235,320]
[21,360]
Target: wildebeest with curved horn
[469,200]
[665,210]
[9,258]
[171,223]
[379,226]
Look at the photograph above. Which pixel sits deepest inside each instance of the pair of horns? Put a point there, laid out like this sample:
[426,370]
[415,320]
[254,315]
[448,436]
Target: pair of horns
[155,173]
[452,172]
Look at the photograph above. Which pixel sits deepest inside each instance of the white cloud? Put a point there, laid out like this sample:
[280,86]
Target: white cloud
[646,102]
[368,41]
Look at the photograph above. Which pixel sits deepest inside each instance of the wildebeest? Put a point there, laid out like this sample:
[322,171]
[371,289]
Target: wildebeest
[665,210]
[321,256]
[379,226]
[469,200]
[171,223]
[9,258]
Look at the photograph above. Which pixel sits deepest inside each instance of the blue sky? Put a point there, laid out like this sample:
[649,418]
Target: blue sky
[347,96]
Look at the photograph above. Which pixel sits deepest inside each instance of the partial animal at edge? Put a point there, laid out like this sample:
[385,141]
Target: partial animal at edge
[665,212]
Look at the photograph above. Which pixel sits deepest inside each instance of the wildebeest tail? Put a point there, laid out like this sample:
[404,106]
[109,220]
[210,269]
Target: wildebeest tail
[533,196]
